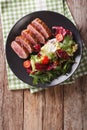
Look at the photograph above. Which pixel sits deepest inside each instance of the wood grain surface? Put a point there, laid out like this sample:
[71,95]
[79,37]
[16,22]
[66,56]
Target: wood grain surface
[58,108]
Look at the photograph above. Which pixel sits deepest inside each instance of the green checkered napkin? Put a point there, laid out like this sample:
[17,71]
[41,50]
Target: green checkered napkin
[13,10]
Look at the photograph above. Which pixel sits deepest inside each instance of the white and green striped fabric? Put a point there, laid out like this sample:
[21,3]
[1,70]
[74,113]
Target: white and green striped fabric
[13,10]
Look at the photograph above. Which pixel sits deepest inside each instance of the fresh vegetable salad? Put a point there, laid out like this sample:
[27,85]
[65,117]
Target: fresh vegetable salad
[54,58]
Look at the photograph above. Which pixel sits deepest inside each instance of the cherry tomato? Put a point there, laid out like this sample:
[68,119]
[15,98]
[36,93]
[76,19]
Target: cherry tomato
[45,60]
[27,64]
[59,37]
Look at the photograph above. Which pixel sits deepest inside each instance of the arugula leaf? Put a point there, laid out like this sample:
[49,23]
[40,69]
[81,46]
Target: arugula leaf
[43,77]
[67,66]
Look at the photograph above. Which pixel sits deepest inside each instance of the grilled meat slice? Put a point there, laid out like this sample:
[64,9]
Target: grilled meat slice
[30,40]
[30,36]
[25,43]
[38,35]
[19,50]
[42,27]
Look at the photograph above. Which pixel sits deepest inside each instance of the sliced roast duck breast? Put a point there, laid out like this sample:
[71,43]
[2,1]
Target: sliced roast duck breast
[24,42]
[29,36]
[19,50]
[42,27]
[36,33]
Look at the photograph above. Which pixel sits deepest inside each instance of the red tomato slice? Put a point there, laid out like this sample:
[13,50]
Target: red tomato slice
[59,37]
[26,64]
[45,60]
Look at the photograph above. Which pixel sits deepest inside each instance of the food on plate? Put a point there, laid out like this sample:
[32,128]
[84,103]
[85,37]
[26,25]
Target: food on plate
[29,36]
[54,58]
[24,42]
[38,35]
[26,64]
[32,38]
[48,53]
[21,51]
[42,27]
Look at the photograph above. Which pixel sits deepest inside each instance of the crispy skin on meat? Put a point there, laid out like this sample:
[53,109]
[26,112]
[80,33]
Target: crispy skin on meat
[42,27]
[38,35]
[29,36]
[19,50]
[30,39]
[24,42]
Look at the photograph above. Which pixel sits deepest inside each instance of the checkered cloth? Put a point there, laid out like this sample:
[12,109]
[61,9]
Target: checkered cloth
[13,10]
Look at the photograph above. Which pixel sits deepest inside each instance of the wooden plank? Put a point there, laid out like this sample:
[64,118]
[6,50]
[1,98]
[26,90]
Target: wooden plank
[79,10]
[53,110]
[73,107]
[75,103]
[84,102]
[44,110]
[11,103]
[33,108]
[1,79]
[12,109]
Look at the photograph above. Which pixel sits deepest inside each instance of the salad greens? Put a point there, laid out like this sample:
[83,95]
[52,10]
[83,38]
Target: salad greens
[69,45]
[47,76]
[55,58]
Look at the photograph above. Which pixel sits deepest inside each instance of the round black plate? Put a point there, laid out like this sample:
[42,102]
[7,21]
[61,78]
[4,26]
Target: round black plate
[51,19]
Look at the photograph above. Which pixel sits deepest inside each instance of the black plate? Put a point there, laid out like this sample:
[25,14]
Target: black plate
[51,19]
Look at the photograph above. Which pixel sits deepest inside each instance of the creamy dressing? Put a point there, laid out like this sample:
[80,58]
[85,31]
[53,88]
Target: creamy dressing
[50,47]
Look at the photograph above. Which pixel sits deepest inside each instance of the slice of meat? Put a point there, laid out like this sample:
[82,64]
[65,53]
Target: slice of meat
[30,36]
[42,27]
[38,35]
[24,42]
[19,50]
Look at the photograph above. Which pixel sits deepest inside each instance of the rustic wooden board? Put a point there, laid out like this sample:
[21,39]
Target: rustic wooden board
[33,108]
[11,103]
[75,95]
[53,112]
[1,79]
[84,102]
[79,12]
[58,108]
[44,110]
[73,107]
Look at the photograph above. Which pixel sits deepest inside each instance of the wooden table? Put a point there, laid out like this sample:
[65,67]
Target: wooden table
[58,108]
